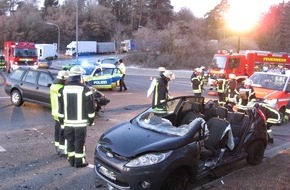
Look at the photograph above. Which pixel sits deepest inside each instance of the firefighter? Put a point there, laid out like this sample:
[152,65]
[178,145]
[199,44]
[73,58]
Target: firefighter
[161,88]
[204,75]
[76,112]
[122,67]
[196,82]
[232,93]
[246,93]
[222,84]
[59,140]
[161,70]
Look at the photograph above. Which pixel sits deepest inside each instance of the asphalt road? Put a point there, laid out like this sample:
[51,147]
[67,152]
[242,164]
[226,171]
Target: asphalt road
[27,156]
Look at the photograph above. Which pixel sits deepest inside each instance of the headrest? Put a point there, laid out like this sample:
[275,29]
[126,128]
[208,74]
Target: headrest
[222,112]
[196,106]
[238,117]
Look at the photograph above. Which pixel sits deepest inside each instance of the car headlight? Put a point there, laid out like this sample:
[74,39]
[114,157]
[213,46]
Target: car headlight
[148,159]
[272,103]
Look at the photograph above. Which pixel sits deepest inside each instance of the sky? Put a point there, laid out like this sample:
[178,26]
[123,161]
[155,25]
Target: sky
[201,7]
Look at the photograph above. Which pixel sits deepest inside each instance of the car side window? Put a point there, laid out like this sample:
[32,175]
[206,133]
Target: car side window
[16,74]
[44,79]
[30,77]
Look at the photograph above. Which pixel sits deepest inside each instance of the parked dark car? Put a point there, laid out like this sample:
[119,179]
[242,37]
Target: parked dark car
[29,85]
[179,140]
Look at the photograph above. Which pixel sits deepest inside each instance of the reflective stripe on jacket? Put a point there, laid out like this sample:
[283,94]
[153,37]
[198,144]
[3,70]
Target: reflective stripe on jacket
[76,105]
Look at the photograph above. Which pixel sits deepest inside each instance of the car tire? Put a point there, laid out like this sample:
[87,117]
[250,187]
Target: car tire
[255,153]
[16,98]
[178,180]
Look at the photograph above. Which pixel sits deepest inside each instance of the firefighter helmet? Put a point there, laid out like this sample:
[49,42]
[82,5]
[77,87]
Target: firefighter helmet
[161,69]
[248,82]
[232,76]
[62,75]
[168,74]
[77,70]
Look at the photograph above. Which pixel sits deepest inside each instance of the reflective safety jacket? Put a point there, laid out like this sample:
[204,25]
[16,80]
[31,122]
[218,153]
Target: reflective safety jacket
[54,88]
[160,93]
[122,67]
[222,85]
[246,95]
[76,105]
[197,83]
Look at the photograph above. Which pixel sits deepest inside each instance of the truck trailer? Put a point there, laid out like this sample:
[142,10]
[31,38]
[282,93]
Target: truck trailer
[47,51]
[90,47]
[20,54]
[84,47]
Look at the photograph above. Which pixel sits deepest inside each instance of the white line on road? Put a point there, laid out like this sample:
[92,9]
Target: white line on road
[4,97]
[2,149]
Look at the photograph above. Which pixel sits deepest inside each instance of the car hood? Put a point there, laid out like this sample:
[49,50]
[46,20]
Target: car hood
[129,140]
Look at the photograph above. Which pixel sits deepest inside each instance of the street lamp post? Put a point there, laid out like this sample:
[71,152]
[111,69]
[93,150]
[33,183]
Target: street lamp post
[58,36]
[77,31]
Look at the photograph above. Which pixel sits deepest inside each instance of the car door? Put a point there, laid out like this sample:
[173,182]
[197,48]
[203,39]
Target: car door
[28,85]
[44,82]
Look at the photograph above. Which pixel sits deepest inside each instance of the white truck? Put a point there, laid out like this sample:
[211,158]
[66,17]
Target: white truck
[128,45]
[47,51]
[84,47]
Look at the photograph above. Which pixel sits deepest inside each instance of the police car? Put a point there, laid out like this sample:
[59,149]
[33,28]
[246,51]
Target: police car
[101,77]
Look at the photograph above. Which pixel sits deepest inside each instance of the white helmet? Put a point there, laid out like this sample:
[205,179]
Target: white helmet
[62,75]
[161,69]
[77,70]
[169,75]
[248,82]
[232,76]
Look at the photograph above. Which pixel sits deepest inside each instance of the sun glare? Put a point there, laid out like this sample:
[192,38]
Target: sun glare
[243,15]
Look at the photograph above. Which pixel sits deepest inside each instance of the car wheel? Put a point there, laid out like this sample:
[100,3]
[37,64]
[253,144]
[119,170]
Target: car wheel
[16,98]
[178,180]
[255,153]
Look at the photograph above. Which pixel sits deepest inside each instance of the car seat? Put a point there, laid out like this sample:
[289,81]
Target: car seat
[217,126]
[195,112]
[239,122]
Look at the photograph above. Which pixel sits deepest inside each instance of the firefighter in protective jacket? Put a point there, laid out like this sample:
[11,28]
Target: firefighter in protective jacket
[59,140]
[222,84]
[160,93]
[196,82]
[76,112]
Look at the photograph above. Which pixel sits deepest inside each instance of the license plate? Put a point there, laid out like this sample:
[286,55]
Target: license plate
[107,172]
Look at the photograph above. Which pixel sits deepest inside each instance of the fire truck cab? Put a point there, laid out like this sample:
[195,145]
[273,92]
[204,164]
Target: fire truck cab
[20,54]
[245,63]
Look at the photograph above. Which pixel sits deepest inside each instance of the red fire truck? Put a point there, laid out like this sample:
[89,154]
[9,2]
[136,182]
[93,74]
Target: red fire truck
[20,54]
[245,63]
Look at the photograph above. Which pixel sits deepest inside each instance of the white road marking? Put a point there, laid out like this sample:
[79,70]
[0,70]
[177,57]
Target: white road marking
[6,97]
[2,149]
[90,166]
